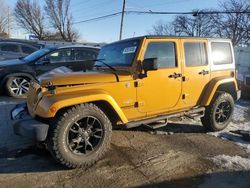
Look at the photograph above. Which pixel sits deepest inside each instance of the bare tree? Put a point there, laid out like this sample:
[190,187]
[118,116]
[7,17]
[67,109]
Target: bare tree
[60,18]
[234,23]
[199,25]
[4,19]
[161,28]
[29,16]
[235,26]
[189,25]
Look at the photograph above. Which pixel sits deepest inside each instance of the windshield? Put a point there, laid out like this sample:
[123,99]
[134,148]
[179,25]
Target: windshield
[36,55]
[119,54]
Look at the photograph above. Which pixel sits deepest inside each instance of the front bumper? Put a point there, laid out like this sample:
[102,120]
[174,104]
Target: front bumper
[26,126]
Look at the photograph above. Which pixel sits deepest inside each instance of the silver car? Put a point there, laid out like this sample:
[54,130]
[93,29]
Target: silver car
[15,50]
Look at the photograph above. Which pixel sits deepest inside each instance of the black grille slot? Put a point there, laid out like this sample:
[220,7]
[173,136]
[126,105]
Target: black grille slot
[248,81]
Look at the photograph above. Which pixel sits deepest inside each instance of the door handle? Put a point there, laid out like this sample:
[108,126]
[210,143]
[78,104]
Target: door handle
[204,72]
[175,75]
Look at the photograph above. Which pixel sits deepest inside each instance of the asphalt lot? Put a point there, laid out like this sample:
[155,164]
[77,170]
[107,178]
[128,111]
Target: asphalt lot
[180,155]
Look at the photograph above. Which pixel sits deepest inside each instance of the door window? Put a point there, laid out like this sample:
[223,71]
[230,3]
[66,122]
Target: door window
[60,56]
[164,52]
[27,50]
[83,54]
[195,54]
[9,48]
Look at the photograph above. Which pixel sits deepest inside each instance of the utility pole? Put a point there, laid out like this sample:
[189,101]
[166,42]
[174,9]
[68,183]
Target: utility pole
[8,21]
[123,11]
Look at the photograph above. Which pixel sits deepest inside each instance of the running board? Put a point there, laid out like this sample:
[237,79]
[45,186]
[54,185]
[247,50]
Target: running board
[157,125]
[192,114]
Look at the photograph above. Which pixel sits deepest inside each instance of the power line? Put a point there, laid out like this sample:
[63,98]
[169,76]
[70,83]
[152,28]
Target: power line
[99,18]
[191,13]
[194,13]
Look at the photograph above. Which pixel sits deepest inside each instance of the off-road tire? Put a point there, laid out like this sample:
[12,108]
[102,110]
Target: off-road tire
[57,139]
[209,120]
[17,93]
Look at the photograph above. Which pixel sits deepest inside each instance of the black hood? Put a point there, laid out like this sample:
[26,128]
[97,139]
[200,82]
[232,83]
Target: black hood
[11,62]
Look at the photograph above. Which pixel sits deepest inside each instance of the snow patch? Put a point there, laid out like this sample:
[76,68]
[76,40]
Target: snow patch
[239,113]
[225,134]
[232,163]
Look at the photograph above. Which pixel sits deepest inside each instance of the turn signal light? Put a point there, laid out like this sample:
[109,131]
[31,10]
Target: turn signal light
[52,109]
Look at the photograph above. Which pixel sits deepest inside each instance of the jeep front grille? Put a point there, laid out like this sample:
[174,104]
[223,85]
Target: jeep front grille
[248,81]
[33,96]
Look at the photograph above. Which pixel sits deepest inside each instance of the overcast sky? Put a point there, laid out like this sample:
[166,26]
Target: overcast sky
[107,30]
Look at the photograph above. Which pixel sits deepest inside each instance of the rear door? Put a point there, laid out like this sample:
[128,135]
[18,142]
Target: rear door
[196,70]
[83,59]
[10,51]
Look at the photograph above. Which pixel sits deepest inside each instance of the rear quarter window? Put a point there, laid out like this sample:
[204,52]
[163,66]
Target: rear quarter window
[85,54]
[221,53]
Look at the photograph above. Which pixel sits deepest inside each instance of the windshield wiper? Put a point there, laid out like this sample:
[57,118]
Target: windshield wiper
[102,61]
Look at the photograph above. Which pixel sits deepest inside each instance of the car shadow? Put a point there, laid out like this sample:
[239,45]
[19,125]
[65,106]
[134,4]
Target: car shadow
[172,128]
[33,159]
[232,137]
[29,159]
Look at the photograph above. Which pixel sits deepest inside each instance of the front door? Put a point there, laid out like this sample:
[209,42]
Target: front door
[161,89]
[196,71]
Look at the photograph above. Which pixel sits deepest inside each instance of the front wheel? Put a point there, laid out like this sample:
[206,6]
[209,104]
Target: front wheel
[17,86]
[81,136]
[219,113]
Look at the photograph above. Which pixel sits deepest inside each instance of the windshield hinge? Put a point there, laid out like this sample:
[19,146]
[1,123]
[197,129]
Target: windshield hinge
[138,83]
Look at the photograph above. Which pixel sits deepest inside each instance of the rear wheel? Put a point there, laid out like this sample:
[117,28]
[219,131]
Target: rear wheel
[81,136]
[219,113]
[17,86]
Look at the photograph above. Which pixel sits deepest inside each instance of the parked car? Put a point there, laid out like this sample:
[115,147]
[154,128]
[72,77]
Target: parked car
[242,59]
[145,80]
[16,74]
[13,50]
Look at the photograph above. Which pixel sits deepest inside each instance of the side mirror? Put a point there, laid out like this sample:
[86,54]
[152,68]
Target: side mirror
[149,64]
[44,61]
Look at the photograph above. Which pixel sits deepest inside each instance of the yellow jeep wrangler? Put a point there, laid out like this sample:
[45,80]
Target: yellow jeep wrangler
[135,81]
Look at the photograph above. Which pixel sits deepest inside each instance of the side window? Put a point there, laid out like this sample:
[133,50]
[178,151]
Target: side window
[221,53]
[164,52]
[27,50]
[9,48]
[195,54]
[60,56]
[82,54]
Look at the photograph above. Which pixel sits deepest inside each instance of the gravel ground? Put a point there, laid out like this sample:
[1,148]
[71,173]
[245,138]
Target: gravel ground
[180,155]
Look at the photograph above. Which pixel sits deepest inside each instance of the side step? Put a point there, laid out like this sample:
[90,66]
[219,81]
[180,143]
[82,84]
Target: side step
[192,114]
[196,113]
[157,125]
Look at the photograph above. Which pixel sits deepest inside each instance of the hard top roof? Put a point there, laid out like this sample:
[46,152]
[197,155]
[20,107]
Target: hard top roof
[171,37]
